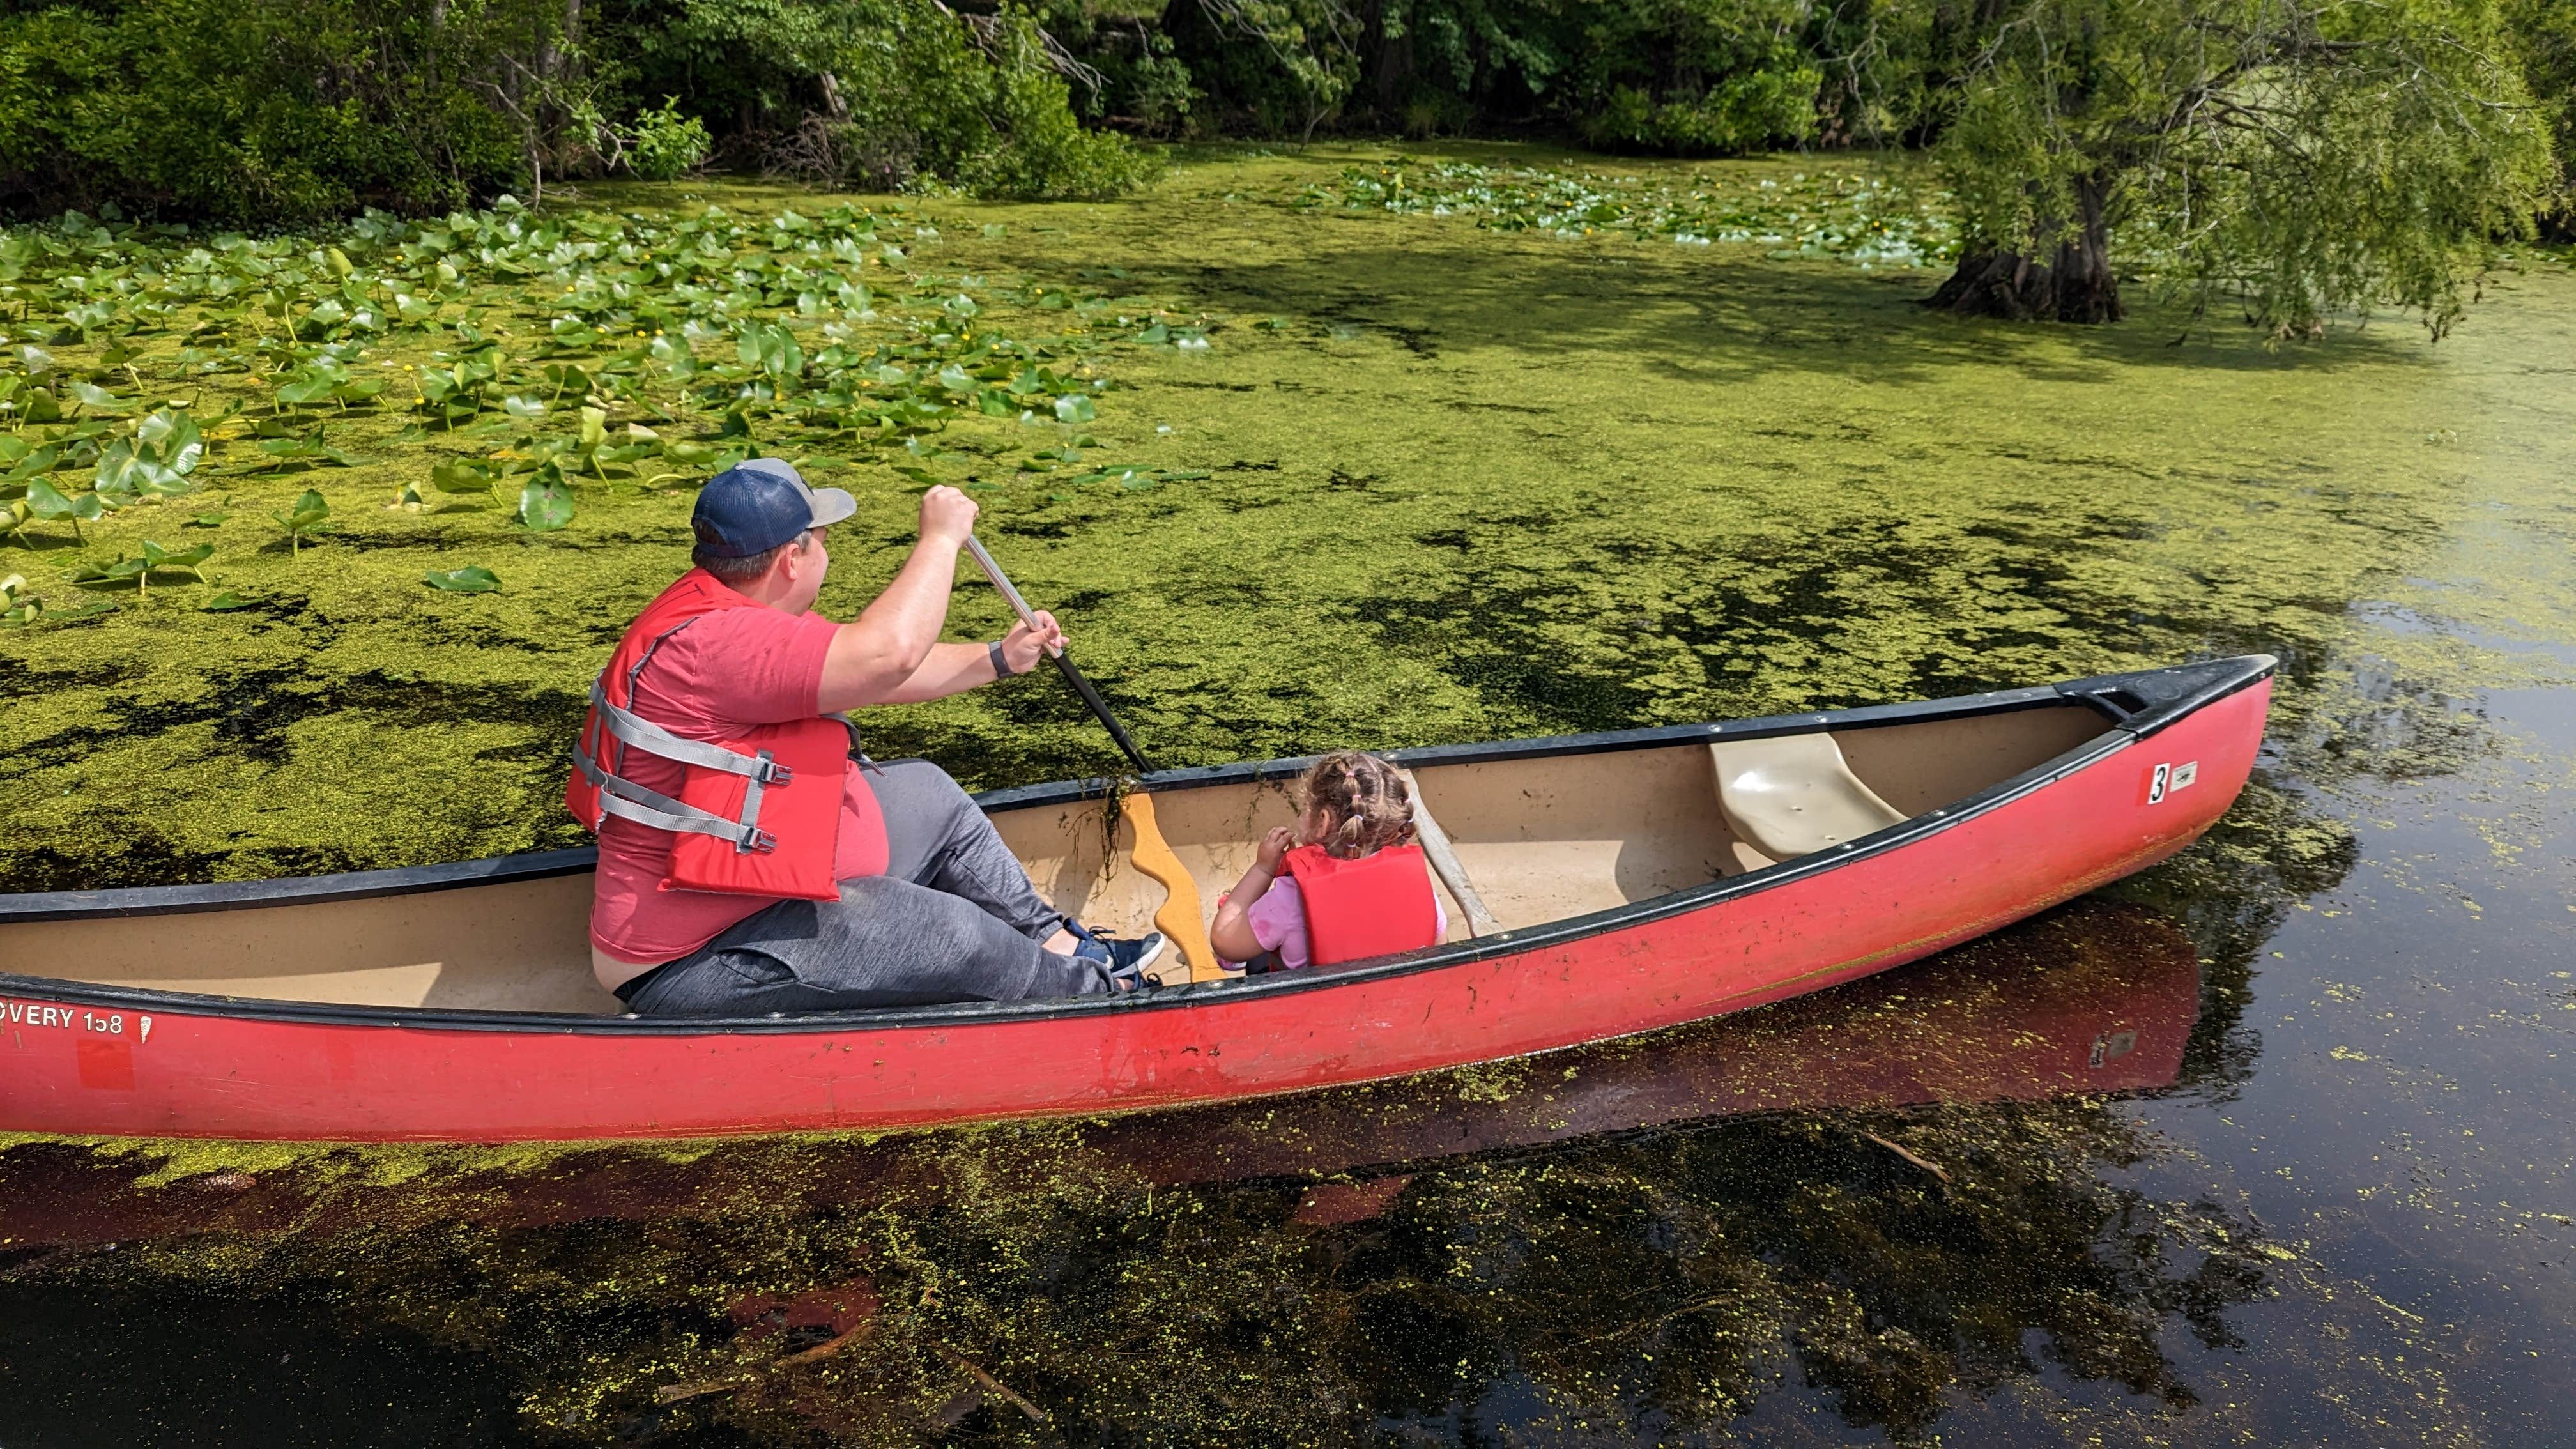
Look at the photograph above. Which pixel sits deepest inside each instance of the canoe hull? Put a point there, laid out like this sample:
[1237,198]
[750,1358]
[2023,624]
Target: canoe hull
[82,1062]
[2100,1001]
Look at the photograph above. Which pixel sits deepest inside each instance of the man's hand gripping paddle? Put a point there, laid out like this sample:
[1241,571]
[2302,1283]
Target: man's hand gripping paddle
[1180,918]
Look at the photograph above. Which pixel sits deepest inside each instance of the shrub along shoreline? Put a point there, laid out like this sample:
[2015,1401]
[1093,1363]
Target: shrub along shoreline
[2289,162]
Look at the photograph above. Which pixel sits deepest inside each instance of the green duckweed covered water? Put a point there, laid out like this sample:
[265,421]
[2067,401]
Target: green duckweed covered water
[1534,482]
[1462,482]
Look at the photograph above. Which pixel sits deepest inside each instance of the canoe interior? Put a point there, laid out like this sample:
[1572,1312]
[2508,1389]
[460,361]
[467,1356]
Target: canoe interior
[1543,838]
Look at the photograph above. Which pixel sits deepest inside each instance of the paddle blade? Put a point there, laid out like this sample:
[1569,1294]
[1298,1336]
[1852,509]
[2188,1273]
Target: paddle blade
[1181,919]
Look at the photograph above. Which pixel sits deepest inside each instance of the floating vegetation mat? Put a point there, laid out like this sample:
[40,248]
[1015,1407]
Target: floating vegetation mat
[1875,218]
[522,356]
[298,431]
[1460,482]
[314,543]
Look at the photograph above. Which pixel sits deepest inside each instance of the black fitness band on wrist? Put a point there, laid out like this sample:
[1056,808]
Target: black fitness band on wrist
[1001,666]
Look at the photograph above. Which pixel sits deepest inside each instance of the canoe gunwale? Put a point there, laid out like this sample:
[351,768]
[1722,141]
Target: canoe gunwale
[2162,697]
[541,865]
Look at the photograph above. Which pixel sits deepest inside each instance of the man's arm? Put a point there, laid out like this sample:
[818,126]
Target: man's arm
[891,653]
[874,655]
[957,668]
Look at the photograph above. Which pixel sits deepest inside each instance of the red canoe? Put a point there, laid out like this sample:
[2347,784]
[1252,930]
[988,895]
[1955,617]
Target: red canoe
[1642,879]
[2100,1000]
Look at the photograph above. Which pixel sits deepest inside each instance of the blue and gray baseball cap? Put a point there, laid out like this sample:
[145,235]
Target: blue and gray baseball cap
[760,503]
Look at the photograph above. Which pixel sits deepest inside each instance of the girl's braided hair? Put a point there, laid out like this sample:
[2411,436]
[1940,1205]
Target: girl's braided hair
[1365,805]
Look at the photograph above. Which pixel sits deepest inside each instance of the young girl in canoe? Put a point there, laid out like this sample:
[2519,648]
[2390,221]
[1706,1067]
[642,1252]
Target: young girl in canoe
[1354,884]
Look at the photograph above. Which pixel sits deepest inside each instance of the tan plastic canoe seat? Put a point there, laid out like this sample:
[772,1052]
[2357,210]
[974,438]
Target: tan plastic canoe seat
[1793,795]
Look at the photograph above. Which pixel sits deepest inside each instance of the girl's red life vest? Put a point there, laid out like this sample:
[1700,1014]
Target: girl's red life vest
[1373,906]
[759,810]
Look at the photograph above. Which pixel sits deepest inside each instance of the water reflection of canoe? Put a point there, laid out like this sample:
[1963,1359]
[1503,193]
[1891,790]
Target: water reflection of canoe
[1644,879]
[2097,999]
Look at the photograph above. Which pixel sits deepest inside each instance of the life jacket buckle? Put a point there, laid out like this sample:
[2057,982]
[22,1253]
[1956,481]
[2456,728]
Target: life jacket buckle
[757,840]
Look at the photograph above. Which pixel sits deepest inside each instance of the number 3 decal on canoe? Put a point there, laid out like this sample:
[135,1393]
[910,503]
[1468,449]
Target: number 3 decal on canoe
[2167,778]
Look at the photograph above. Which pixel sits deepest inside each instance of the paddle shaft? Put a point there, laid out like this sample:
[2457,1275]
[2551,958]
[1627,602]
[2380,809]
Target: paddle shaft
[1063,664]
[1180,919]
[1444,861]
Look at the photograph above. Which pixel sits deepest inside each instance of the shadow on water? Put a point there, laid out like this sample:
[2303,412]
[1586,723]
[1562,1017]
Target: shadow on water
[1898,1190]
[187,1365]
[1703,319]
[256,717]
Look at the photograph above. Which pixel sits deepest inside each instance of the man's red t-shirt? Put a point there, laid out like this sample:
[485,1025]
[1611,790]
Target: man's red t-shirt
[727,669]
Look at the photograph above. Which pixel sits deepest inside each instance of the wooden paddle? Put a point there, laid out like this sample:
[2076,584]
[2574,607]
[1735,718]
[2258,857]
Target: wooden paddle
[1180,918]
[1444,861]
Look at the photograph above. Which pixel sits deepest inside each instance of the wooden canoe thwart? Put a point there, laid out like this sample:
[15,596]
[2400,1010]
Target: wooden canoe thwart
[1639,879]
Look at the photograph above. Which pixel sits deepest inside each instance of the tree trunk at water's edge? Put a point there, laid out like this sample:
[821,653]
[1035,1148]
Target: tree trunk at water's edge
[2076,285]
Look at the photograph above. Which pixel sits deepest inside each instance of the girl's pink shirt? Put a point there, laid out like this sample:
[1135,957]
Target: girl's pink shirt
[1278,922]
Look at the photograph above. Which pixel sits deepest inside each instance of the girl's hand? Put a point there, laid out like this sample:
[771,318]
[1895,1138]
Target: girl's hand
[1231,932]
[1024,646]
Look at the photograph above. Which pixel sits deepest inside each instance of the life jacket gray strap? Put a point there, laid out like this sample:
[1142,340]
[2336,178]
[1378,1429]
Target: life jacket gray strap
[627,800]
[651,738]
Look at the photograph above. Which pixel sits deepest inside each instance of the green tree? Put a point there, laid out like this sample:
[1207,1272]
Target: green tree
[285,110]
[2547,30]
[293,110]
[1688,76]
[1279,66]
[874,92]
[2306,156]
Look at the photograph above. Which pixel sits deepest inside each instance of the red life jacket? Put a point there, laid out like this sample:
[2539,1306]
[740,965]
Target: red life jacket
[1373,906]
[759,811]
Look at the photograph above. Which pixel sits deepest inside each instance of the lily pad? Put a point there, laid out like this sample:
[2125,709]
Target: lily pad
[471,579]
[99,399]
[545,505]
[461,476]
[307,515]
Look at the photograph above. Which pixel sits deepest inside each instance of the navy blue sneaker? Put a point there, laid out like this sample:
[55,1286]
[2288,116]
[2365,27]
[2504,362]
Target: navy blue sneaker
[1125,959]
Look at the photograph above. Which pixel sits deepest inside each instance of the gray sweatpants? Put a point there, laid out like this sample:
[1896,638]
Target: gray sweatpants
[954,918]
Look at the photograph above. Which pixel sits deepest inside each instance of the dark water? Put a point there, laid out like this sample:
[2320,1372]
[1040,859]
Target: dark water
[2270,1145]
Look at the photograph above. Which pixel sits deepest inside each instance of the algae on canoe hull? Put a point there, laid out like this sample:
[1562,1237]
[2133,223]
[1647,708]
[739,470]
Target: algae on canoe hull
[1461,483]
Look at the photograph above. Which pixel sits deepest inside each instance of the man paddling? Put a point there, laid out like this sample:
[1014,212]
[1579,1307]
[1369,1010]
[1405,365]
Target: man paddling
[747,863]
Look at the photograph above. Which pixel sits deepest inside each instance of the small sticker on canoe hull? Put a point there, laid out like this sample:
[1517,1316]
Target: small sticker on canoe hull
[2167,778]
